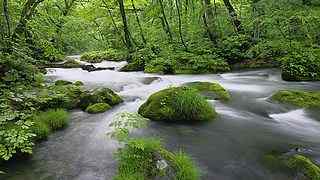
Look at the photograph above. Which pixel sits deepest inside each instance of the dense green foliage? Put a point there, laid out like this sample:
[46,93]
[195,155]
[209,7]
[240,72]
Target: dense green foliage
[304,99]
[146,158]
[179,104]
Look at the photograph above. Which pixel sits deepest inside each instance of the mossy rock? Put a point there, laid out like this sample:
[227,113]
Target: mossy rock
[211,90]
[303,99]
[104,95]
[293,164]
[78,83]
[98,108]
[108,55]
[62,82]
[180,104]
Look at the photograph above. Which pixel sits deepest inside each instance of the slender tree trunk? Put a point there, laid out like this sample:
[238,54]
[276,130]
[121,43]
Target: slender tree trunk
[6,17]
[256,21]
[164,17]
[114,22]
[139,24]
[125,25]
[180,26]
[233,16]
[208,17]
[27,12]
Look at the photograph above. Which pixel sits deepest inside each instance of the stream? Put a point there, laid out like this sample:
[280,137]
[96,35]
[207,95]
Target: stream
[229,148]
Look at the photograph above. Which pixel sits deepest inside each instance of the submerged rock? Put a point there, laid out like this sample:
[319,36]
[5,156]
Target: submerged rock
[181,104]
[98,108]
[91,68]
[104,95]
[211,90]
[304,99]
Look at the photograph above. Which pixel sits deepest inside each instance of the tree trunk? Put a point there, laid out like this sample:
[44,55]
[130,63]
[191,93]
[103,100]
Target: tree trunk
[27,12]
[125,25]
[208,17]
[164,18]
[233,16]
[6,18]
[180,26]
[139,24]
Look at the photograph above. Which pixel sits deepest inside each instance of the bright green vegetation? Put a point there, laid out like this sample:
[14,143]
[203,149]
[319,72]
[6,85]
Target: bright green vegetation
[48,121]
[303,66]
[103,95]
[304,99]
[78,83]
[98,108]
[139,158]
[108,55]
[62,82]
[180,104]
[292,164]
[210,90]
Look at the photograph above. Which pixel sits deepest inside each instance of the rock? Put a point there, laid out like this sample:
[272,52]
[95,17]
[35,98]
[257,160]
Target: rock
[149,80]
[98,108]
[91,68]
[78,83]
[180,104]
[104,95]
[210,90]
[62,83]
[304,99]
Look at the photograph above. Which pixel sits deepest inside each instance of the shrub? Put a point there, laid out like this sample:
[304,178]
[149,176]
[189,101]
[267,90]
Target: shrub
[62,83]
[98,108]
[161,65]
[303,66]
[234,48]
[109,55]
[40,128]
[177,104]
[305,99]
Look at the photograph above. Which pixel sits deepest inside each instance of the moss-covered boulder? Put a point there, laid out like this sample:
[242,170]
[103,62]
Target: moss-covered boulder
[62,83]
[210,90]
[98,108]
[294,163]
[78,83]
[103,95]
[107,55]
[304,99]
[180,104]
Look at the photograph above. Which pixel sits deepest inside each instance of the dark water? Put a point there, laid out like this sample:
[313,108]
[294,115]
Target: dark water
[229,148]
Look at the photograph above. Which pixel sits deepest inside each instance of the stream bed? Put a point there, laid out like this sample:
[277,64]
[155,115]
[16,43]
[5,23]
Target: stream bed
[229,148]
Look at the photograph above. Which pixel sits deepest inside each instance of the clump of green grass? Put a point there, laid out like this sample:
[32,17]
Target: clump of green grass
[180,104]
[304,99]
[49,121]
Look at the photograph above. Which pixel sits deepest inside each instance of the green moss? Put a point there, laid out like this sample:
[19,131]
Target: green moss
[104,95]
[62,83]
[303,99]
[138,161]
[177,104]
[304,165]
[292,164]
[108,55]
[211,89]
[98,108]
[78,83]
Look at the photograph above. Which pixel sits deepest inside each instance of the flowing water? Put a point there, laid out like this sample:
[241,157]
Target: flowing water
[229,148]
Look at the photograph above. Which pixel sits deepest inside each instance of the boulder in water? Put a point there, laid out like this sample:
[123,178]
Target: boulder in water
[210,90]
[98,108]
[304,99]
[179,104]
